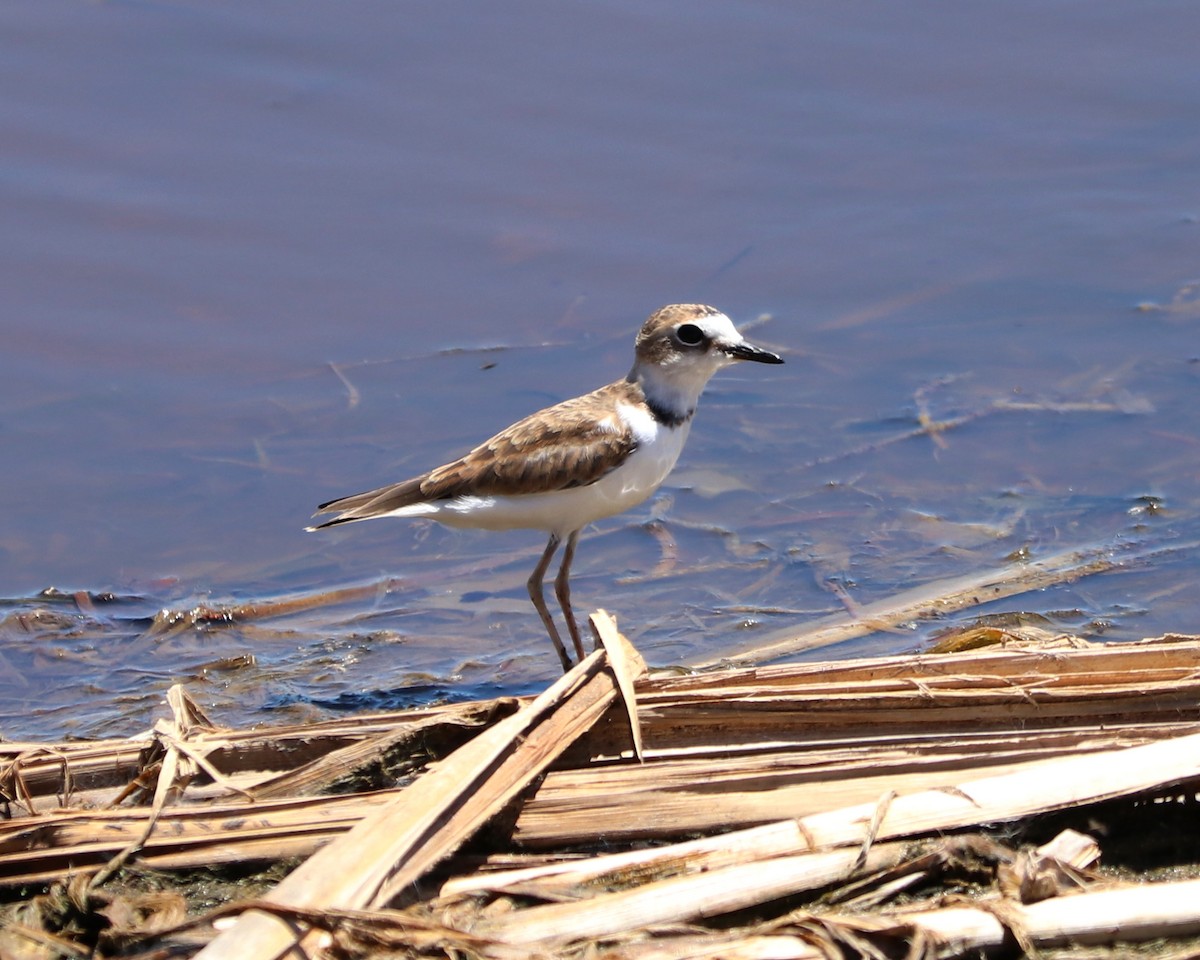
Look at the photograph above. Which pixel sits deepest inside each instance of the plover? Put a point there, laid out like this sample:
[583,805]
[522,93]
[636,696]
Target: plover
[578,461]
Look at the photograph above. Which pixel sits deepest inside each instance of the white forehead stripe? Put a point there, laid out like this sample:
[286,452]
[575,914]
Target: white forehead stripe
[718,327]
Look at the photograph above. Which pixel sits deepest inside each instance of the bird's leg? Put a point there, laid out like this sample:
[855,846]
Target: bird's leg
[539,600]
[562,589]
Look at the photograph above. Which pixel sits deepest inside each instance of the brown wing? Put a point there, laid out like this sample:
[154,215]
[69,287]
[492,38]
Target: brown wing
[571,444]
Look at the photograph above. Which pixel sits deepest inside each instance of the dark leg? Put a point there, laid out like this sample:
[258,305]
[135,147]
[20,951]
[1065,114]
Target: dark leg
[539,600]
[562,589]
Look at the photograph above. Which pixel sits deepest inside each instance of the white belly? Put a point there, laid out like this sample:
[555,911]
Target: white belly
[562,511]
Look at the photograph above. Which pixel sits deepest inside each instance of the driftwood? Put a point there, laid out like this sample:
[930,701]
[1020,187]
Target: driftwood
[398,843]
[1136,913]
[794,865]
[853,780]
[947,596]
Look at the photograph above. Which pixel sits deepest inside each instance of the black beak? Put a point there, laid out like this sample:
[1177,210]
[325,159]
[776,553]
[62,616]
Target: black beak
[748,351]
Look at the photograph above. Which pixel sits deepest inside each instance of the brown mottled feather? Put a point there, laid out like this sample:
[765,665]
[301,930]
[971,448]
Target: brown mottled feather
[571,444]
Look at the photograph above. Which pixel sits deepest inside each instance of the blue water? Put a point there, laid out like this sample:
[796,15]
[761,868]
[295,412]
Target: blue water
[256,256]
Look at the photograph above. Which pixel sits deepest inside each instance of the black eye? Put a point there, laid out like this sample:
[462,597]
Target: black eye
[690,335]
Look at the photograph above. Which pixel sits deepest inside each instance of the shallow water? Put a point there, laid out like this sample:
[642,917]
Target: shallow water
[259,256]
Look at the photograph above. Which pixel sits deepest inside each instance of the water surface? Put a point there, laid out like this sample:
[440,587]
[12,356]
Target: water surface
[258,256]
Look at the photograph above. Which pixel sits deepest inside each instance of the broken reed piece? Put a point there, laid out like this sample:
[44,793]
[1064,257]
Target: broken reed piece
[946,596]
[427,821]
[835,844]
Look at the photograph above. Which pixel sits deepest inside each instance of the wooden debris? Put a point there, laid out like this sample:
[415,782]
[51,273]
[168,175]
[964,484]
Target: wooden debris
[794,865]
[389,851]
[1051,870]
[810,795]
[1135,913]
[946,596]
[694,896]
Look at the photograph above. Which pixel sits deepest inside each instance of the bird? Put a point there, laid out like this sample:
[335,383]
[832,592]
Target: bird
[578,461]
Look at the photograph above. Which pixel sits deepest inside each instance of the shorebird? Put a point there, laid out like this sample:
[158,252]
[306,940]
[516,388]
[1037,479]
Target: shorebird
[578,461]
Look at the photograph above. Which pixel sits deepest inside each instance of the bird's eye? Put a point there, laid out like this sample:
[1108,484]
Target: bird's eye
[690,335]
